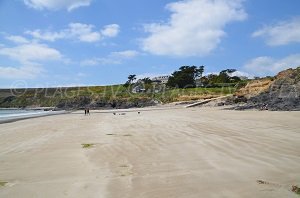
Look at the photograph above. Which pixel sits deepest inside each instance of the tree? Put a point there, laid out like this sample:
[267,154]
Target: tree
[225,76]
[212,79]
[228,71]
[201,70]
[146,80]
[131,78]
[185,76]
[229,78]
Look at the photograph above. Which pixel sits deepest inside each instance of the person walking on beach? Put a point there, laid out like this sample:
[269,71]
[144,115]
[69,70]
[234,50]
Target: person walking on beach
[88,111]
[85,111]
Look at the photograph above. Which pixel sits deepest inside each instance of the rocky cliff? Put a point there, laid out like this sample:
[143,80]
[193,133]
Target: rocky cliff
[279,93]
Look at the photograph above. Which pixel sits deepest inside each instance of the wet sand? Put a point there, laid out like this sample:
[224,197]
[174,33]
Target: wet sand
[186,153]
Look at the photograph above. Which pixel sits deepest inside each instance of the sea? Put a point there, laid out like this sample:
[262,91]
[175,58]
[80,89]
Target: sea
[11,114]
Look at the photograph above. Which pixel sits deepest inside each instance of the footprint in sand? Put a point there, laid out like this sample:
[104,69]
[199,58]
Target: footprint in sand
[125,170]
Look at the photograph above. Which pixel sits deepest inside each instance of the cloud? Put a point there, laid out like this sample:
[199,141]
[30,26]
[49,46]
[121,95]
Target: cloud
[17,39]
[77,31]
[195,27]
[47,35]
[242,74]
[17,73]
[111,30]
[83,32]
[127,54]
[31,52]
[282,33]
[57,4]
[30,56]
[114,58]
[264,65]
[100,61]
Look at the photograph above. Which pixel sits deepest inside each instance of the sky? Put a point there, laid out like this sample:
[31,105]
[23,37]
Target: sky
[49,43]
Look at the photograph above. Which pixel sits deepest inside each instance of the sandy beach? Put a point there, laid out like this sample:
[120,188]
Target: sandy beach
[178,153]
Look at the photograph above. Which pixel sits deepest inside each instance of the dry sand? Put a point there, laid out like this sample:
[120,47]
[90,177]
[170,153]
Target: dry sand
[198,152]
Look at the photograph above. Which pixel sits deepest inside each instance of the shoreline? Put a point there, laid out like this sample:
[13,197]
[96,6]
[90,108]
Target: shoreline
[25,117]
[165,107]
[92,111]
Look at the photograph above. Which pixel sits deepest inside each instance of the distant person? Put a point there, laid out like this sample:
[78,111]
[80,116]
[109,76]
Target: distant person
[88,111]
[85,111]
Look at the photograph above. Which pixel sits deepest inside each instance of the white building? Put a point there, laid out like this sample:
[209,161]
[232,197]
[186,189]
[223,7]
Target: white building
[161,79]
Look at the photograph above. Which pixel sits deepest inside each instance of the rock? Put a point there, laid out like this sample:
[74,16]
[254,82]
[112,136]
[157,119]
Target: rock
[283,94]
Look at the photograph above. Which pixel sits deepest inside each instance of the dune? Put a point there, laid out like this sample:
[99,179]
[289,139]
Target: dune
[186,153]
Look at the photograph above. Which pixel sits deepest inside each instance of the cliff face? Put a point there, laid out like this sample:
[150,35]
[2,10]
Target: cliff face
[282,93]
[254,88]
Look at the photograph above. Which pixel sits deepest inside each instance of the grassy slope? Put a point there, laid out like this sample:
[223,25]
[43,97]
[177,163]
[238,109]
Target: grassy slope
[53,96]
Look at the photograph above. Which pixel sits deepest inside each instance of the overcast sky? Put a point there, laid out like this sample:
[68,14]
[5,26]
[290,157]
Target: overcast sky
[46,43]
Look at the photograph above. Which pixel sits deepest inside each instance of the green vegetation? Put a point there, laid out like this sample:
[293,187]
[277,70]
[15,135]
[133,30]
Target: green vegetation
[296,190]
[185,77]
[181,87]
[130,80]
[191,76]
[147,81]
[102,95]
[3,183]
[223,78]
[87,145]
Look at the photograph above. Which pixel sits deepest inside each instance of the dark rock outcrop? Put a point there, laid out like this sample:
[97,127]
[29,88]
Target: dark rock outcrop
[82,102]
[283,94]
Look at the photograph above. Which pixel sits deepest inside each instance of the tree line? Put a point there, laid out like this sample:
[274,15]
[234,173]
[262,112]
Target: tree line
[192,76]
